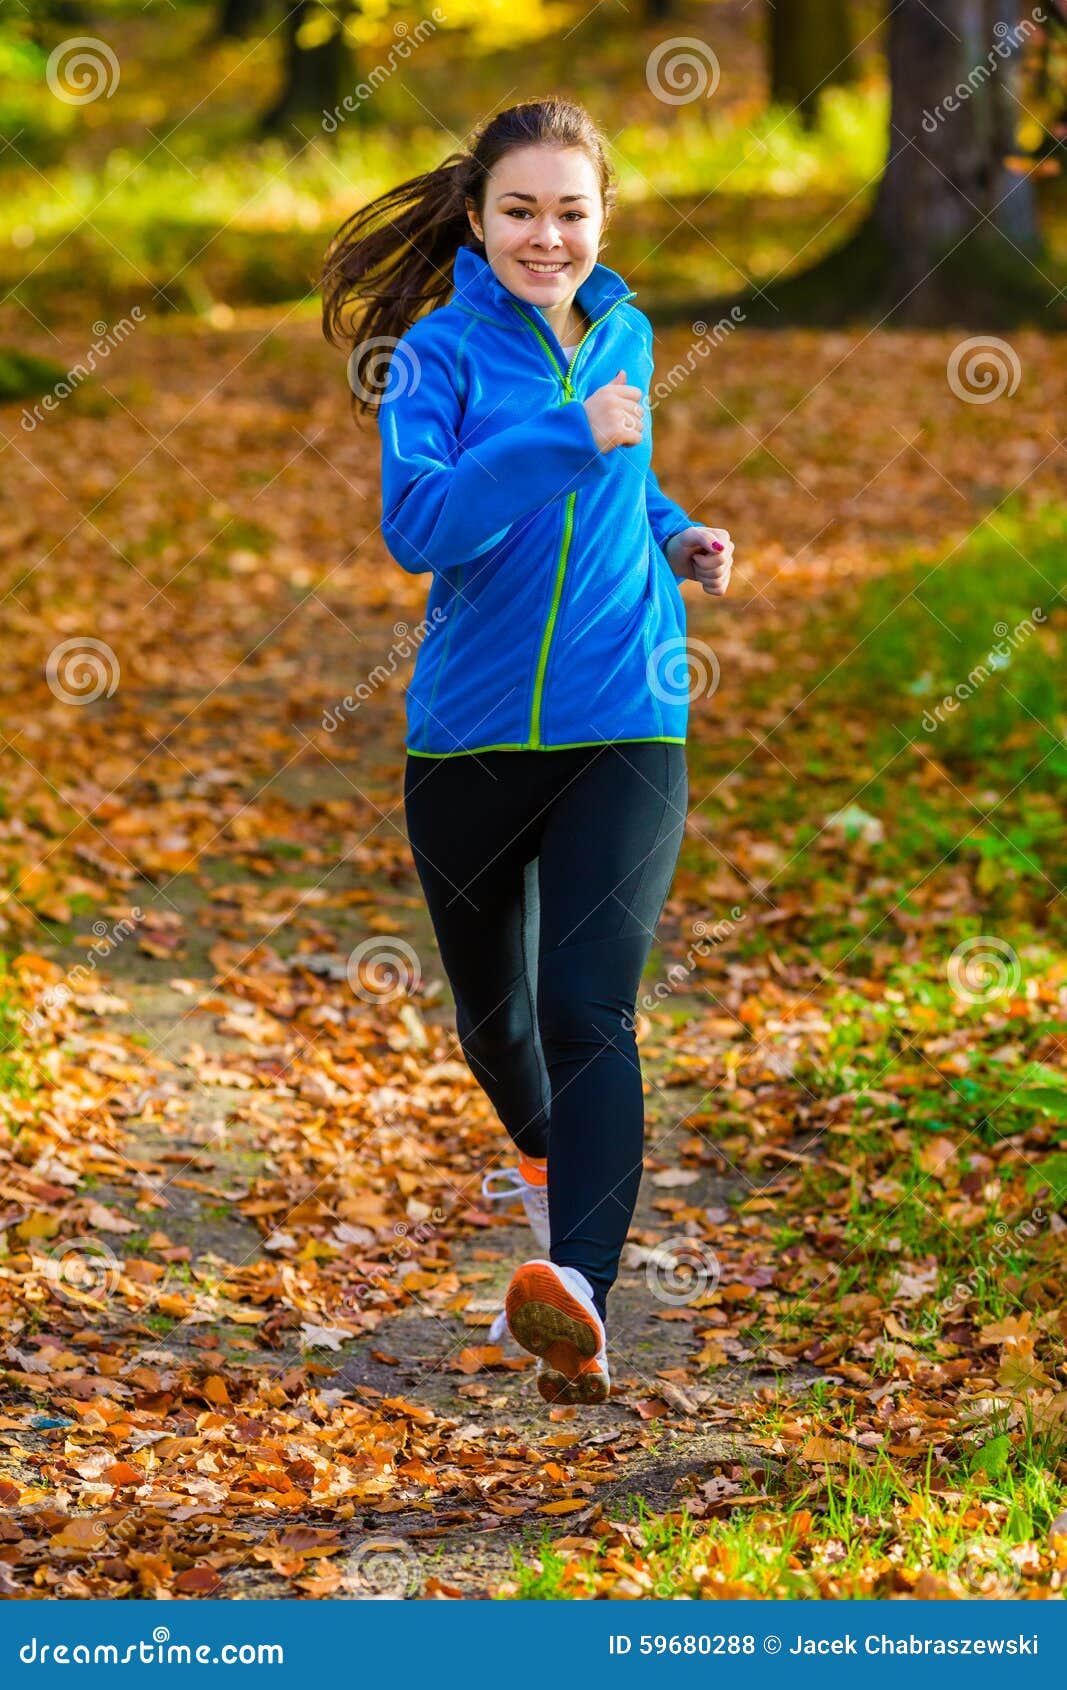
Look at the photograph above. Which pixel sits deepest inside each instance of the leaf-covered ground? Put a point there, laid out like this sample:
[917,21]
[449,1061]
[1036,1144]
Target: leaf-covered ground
[247,1272]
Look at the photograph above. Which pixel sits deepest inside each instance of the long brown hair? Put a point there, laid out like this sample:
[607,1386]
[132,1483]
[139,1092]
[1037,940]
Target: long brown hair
[391,261]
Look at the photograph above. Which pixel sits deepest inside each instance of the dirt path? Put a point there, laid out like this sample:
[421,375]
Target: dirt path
[195,1147]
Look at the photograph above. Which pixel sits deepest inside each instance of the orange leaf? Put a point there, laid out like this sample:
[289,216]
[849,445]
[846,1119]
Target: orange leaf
[198,1578]
[121,1473]
[828,1449]
[477,1356]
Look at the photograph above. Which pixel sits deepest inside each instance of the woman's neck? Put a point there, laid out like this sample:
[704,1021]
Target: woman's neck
[567,324]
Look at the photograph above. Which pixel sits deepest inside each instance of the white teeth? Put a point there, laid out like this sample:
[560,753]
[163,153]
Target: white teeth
[543,269]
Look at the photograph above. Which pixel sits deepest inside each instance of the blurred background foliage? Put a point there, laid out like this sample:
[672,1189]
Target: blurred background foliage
[211,174]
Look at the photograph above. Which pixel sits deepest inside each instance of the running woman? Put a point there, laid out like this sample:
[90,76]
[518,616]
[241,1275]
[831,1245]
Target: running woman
[545,782]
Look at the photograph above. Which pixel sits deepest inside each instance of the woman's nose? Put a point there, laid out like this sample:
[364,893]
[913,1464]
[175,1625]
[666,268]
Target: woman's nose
[547,234]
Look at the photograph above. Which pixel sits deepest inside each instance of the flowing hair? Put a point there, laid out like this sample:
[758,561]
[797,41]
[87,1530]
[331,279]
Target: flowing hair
[391,261]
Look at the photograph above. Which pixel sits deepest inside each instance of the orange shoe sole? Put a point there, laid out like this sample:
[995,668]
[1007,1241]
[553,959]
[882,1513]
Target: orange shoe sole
[546,1319]
[589,1384]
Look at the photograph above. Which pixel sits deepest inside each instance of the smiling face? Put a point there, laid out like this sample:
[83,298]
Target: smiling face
[541,223]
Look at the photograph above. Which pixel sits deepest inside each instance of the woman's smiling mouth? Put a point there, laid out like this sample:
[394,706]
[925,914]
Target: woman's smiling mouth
[538,268]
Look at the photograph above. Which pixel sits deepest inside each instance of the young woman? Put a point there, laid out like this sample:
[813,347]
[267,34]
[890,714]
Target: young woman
[545,783]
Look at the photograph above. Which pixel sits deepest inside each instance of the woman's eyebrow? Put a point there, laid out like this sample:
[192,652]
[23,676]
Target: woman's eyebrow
[514,194]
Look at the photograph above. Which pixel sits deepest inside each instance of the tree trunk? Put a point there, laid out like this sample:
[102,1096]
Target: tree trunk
[237,18]
[319,71]
[810,48]
[953,234]
[952,123]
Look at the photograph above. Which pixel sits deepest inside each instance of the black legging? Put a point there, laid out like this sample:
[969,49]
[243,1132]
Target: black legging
[545,874]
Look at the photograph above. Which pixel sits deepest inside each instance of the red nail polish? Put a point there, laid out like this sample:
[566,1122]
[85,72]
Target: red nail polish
[717,546]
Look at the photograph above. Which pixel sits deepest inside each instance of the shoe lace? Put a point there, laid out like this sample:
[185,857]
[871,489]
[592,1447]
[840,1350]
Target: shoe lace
[509,1192]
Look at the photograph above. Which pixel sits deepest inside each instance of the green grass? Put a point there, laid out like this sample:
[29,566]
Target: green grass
[23,376]
[964,658]
[837,1537]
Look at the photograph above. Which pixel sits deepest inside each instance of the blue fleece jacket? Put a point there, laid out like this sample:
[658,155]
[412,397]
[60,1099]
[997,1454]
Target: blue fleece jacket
[553,616]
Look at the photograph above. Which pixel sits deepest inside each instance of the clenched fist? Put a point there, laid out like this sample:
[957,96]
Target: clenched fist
[615,414]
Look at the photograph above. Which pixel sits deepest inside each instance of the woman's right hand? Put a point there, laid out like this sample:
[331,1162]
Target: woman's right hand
[615,414]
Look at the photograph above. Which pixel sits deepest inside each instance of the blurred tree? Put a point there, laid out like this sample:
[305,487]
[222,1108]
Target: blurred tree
[810,47]
[238,18]
[952,127]
[319,67]
[953,228]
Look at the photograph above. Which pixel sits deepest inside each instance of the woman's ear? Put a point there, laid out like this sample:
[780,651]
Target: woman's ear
[474,220]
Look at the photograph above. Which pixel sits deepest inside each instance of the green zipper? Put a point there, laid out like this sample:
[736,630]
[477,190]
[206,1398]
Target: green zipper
[565,376]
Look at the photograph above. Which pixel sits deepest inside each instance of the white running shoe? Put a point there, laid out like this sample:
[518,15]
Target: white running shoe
[534,1200]
[551,1313]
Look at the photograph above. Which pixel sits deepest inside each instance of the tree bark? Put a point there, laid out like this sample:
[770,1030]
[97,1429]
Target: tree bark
[952,123]
[953,233]
[809,48]
[237,18]
[318,71]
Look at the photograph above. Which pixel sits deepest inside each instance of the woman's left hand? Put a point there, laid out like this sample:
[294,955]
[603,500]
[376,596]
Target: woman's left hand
[703,554]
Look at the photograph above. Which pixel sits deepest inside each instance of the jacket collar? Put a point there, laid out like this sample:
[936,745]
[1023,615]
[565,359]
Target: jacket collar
[478,288]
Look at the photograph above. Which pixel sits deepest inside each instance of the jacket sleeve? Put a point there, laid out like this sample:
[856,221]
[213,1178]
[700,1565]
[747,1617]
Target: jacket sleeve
[443,505]
[665,517]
